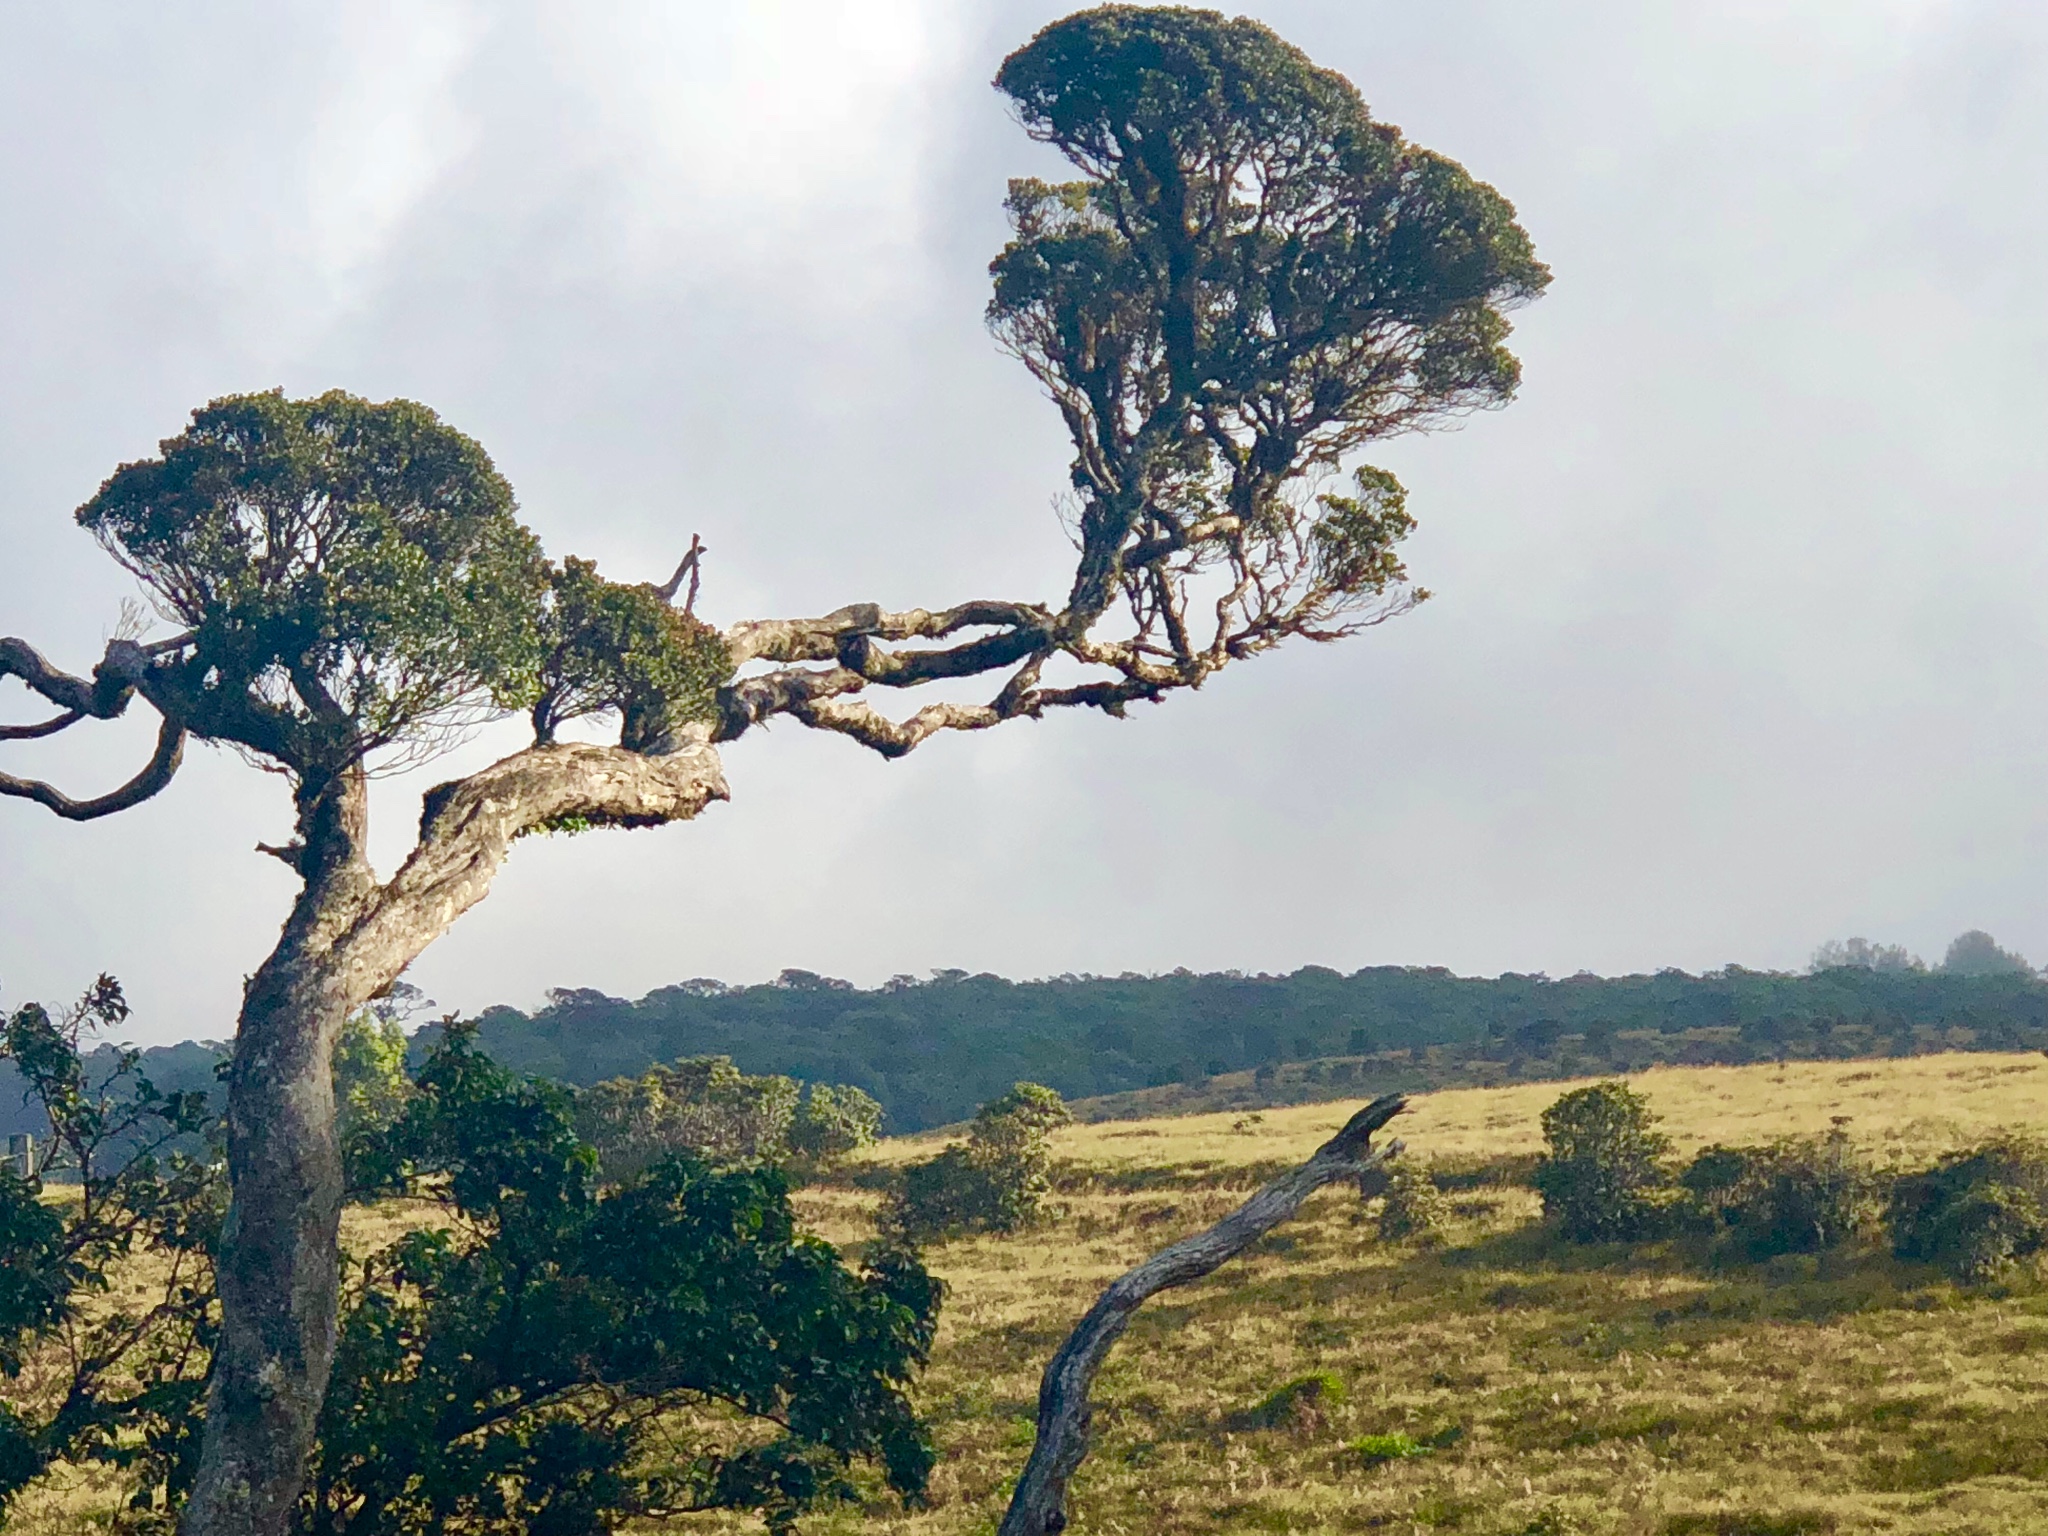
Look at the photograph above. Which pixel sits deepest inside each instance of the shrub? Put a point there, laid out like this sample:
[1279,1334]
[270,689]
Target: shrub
[705,1107]
[1413,1207]
[531,1365]
[1800,1195]
[1974,1212]
[833,1121]
[1376,1450]
[996,1181]
[1600,1177]
[702,1106]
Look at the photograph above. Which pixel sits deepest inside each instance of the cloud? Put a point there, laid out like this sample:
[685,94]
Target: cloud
[1738,639]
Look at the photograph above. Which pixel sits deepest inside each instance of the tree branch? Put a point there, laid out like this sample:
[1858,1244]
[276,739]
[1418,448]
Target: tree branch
[821,639]
[51,727]
[170,752]
[468,827]
[1038,1508]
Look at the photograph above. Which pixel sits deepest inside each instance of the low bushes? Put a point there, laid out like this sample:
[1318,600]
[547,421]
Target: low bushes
[705,1107]
[1413,1208]
[1601,1178]
[1975,1212]
[1801,1195]
[996,1181]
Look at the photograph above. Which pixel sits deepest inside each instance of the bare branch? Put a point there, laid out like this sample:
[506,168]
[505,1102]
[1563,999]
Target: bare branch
[690,567]
[821,639]
[170,752]
[1038,1507]
[70,717]
[20,659]
[468,827]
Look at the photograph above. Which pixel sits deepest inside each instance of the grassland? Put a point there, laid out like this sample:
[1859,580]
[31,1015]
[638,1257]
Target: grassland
[1602,1390]
[1596,1391]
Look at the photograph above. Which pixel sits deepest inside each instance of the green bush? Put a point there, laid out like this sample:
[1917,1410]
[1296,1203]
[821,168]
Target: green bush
[1800,1195]
[1975,1212]
[1413,1207]
[833,1121]
[1600,1177]
[1377,1450]
[508,1371]
[996,1181]
[705,1107]
[542,1359]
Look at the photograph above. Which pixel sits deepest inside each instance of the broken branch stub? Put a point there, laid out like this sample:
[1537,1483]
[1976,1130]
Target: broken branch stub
[1038,1507]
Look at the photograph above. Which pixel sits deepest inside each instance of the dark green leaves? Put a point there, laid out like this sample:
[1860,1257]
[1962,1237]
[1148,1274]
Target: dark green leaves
[613,647]
[1252,280]
[509,1374]
[355,568]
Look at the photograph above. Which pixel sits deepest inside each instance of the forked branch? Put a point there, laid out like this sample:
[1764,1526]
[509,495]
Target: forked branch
[103,696]
[1039,1506]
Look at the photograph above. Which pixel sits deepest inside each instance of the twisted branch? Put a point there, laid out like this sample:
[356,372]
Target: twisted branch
[1038,1507]
[162,765]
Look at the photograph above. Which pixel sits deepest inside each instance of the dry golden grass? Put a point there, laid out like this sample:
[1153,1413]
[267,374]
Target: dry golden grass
[1598,1391]
[1593,1391]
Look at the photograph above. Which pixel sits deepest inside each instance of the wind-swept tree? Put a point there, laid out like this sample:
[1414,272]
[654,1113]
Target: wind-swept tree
[1249,281]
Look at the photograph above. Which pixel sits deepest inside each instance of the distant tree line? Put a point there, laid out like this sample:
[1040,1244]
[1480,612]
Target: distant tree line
[931,1050]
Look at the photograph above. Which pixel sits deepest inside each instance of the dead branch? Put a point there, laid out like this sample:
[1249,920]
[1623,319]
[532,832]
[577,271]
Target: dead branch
[1038,1508]
[163,764]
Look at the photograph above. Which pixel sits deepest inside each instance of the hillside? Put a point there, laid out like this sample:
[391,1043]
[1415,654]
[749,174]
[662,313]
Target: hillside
[1559,1391]
[932,1050]
[1594,1391]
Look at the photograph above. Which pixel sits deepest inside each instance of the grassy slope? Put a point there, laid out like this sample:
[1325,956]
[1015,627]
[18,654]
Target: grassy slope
[1607,1391]
[1602,1391]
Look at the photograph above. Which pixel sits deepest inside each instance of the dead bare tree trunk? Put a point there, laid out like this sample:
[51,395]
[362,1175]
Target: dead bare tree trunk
[1039,1505]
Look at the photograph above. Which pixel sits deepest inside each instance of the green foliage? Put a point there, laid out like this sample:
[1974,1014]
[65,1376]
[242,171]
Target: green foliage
[1800,1195]
[996,1181]
[1413,1208]
[833,1121]
[1976,953]
[930,1051]
[554,1356]
[1974,1212]
[611,647]
[131,1357]
[506,1373]
[370,1086]
[1378,1450]
[353,573]
[1251,279]
[1600,1177]
[708,1109]
[703,1106]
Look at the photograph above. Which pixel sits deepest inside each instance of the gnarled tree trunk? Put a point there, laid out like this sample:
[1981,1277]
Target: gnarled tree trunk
[1039,1505]
[347,940]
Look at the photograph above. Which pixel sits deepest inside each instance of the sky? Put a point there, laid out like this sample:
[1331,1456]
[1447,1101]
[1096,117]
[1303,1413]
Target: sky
[1738,642]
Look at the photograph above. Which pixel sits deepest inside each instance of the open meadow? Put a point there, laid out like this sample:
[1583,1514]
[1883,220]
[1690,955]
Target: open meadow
[1495,1383]
[1550,1389]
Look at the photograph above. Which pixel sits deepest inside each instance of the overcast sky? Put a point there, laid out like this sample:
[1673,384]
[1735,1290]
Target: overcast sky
[1739,641]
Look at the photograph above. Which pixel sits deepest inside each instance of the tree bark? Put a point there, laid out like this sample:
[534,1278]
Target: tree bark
[347,940]
[1039,1505]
